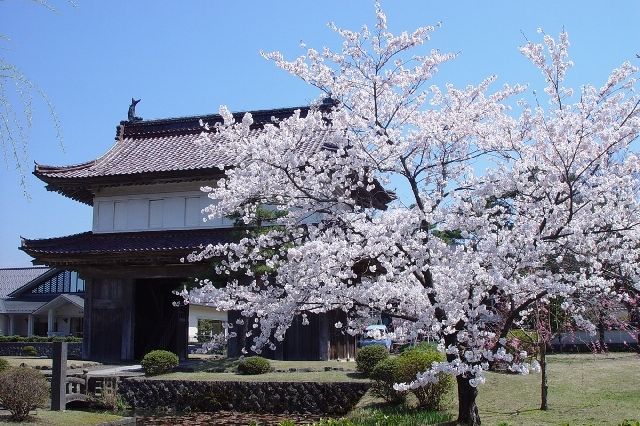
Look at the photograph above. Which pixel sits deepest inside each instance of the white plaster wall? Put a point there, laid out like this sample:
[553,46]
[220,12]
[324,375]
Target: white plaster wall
[63,327]
[69,310]
[197,312]
[153,207]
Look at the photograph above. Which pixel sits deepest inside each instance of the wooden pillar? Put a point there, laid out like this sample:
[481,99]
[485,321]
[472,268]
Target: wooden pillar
[3,325]
[86,324]
[59,377]
[128,319]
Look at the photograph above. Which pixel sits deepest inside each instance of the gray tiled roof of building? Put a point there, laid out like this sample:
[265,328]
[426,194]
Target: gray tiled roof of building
[88,243]
[19,306]
[14,278]
[57,301]
[162,145]
[167,148]
[74,298]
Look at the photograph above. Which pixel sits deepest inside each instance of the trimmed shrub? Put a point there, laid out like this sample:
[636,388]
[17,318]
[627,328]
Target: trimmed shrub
[4,364]
[422,346]
[369,356]
[384,375]
[415,361]
[403,369]
[254,365]
[29,351]
[22,389]
[159,362]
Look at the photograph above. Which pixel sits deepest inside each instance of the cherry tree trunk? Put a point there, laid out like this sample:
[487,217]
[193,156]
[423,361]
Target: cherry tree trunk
[601,341]
[544,386]
[467,408]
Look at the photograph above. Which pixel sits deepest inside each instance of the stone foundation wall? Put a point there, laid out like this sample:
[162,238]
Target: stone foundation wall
[44,349]
[257,397]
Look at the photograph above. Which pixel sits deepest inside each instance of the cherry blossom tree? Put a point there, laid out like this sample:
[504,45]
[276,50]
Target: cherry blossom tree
[443,208]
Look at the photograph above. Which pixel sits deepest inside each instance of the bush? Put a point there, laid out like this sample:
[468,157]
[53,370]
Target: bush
[369,356]
[403,369]
[4,364]
[254,365]
[422,346]
[22,389]
[29,351]
[384,375]
[416,361]
[159,362]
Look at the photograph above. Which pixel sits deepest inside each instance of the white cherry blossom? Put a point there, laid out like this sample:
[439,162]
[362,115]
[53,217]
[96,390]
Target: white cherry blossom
[385,207]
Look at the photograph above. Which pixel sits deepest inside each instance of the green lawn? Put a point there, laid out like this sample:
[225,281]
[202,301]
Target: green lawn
[64,418]
[38,362]
[585,389]
[282,373]
[325,376]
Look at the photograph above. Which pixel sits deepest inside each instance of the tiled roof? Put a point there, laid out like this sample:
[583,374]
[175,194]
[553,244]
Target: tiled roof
[75,299]
[128,246]
[135,155]
[59,301]
[152,149]
[19,306]
[14,278]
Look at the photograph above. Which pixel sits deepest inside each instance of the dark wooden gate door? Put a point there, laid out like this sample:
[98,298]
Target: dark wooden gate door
[106,336]
[158,323]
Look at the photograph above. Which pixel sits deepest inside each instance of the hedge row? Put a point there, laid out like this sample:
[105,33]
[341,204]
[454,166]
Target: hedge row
[39,339]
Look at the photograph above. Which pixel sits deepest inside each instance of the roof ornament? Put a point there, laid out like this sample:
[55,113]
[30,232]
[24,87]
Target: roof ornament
[132,111]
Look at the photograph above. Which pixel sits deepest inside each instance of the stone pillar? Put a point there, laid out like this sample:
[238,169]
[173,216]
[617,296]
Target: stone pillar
[12,325]
[59,377]
[50,321]
[30,325]
[3,325]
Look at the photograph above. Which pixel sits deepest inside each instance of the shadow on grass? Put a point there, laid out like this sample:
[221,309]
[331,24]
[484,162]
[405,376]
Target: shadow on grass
[355,375]
[219,365]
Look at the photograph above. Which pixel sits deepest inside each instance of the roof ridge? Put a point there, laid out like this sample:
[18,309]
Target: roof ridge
[214,115]
[77,166]
[56,238]
[191,124]
[25,267]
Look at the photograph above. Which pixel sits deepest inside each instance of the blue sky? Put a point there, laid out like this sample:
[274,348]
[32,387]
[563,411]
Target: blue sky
[189,57]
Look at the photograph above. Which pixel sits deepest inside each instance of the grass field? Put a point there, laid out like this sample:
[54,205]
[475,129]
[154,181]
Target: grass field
[64,418]
[38,362]
[584,389]
[340,371]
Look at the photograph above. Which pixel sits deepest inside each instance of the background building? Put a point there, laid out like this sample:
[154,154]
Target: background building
[41,301]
